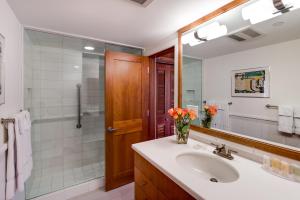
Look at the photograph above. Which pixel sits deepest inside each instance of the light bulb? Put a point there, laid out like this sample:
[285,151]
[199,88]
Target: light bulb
[259,11]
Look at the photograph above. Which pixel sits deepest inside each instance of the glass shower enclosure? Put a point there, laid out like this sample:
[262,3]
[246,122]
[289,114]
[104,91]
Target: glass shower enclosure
[64,92]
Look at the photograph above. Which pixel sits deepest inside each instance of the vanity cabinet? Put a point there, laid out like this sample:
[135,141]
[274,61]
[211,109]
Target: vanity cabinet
[151,184]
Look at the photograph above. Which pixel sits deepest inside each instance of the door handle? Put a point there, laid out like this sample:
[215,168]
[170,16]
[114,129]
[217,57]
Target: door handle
[111,129]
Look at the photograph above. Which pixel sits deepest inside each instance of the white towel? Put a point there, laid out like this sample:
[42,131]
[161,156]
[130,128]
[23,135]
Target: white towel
[285,110]
[24,161]
[297,112]
[297,120]
[10,163]
[286,119]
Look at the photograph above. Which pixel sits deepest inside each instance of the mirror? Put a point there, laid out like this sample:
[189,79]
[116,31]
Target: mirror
[249,67]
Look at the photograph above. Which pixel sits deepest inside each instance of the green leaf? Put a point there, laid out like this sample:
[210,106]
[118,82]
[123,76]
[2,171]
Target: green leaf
[185,129]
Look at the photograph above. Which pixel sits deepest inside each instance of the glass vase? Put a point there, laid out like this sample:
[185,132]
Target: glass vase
[182,135]
[206,122]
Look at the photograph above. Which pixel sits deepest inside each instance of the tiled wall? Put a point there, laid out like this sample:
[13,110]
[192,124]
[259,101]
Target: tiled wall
[53,81]
[93,83]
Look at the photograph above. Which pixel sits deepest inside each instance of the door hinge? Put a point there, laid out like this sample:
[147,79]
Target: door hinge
[148,69]
[148,113]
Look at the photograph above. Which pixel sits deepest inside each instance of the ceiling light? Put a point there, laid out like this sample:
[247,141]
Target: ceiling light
[89,48]
[76,67]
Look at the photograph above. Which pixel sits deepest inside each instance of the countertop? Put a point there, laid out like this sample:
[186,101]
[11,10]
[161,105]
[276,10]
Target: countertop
[253,183]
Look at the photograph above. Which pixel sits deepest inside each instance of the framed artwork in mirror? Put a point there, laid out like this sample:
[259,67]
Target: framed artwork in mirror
[2,42]
[254,82]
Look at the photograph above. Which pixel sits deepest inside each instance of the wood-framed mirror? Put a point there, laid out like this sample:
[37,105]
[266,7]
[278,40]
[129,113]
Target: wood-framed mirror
[247,64]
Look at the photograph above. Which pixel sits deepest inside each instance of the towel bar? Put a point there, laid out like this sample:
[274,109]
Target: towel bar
[271,106]
[6,121]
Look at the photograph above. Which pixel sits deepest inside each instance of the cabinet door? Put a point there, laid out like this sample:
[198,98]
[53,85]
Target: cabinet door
[164,99]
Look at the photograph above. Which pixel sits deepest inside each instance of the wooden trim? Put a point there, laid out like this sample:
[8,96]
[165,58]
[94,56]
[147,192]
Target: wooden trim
[179,70]
[163,60]
[233,4]
[164,52]
[264,146]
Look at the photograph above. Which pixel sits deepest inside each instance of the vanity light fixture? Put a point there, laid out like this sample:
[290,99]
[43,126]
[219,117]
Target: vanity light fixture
[203,34]
[89,48]
[211,31]
[191,39]
[259,11]
[263,10]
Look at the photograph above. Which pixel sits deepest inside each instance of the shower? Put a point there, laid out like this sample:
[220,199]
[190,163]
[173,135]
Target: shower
[64,92]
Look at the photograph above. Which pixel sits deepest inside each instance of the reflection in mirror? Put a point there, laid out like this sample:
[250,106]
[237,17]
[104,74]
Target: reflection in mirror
[249,67]
[192,90]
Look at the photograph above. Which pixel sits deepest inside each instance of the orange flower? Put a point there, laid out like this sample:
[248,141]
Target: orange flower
[180,114]
[213,109]
[175,116]
[179,111]
[192,114]
[184,112]
[171,112]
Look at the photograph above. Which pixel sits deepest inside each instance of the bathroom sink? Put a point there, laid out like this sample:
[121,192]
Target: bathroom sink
[208,167]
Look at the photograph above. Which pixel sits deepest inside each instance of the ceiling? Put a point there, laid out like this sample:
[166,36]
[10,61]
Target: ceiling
[120,21]
[283,28]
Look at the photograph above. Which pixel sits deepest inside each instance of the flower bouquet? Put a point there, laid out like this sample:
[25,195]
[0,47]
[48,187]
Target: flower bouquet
[209,112]
[183,119]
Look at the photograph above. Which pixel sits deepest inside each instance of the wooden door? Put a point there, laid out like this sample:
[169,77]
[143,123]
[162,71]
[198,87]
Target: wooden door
[165,99]
[126,118]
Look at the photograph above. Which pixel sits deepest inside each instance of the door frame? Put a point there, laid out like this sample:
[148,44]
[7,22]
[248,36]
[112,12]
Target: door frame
[152,71]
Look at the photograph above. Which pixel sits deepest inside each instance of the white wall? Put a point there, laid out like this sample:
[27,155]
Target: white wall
[284,62]
[11,29]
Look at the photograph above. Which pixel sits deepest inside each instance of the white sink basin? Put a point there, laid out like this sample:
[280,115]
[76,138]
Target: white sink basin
[208,167]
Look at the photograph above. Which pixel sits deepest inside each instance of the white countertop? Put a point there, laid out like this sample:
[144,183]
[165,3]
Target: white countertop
[254,183]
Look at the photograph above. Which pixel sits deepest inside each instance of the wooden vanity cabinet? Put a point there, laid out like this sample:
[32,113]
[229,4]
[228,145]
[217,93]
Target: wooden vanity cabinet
[151,184]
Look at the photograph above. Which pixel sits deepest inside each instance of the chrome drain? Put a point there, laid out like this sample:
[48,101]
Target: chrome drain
[214,180]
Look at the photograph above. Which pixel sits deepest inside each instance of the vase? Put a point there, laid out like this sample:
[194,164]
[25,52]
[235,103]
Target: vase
[206,123]
[183,135]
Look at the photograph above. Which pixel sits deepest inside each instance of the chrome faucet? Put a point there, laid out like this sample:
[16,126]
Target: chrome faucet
[223,152]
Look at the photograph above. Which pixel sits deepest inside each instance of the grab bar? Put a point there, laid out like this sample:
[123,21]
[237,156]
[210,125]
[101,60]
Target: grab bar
[271,106]
[79,106]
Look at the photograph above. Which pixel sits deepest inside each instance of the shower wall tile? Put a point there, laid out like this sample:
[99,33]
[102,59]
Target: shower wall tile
[53,79]
[69,101]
